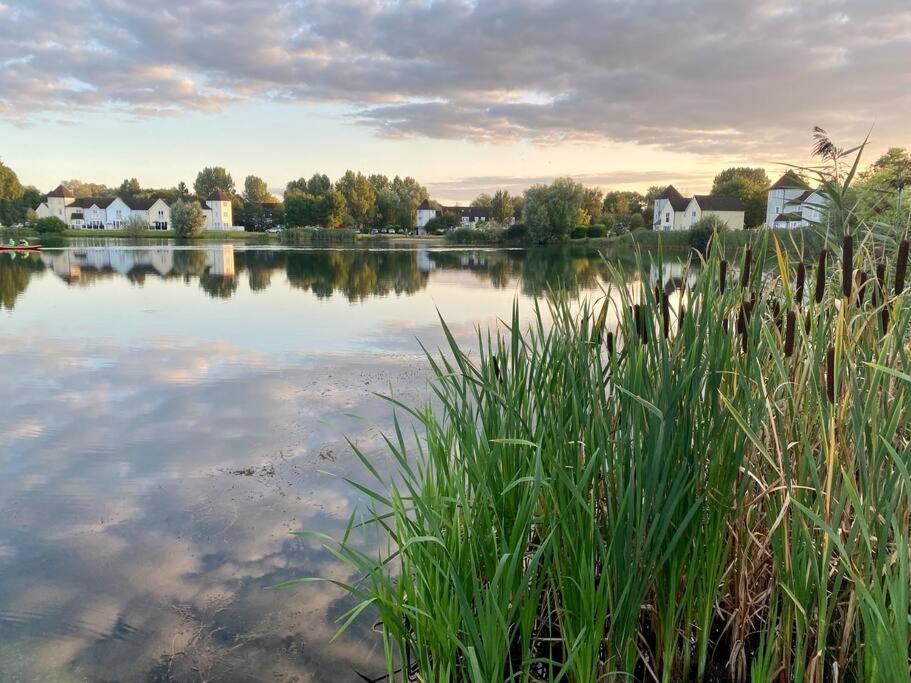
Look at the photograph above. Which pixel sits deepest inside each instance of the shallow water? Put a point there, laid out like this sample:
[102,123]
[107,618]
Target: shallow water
[169,414]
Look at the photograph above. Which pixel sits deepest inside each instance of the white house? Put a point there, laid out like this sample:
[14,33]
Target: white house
[113,212]
[469,216]
[673,211]
[792,204]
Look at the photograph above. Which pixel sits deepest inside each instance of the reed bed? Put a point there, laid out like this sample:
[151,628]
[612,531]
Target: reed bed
[711,485]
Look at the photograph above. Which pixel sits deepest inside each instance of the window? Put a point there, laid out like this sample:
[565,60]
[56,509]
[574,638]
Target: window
[667,217]
[694,214]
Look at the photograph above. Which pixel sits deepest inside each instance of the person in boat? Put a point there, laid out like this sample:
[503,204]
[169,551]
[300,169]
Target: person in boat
[24,243]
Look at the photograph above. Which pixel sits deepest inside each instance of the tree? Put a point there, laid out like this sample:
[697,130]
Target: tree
[48,225]
[410,193]
[379,182]
[623,203]
[304,209]
[81,188]
[213,178]
[182,189]
[318,184]
[256,191]
[10,187]
[592,203]
[442,223]
[501,207]
[135,226]
[187,218]
[483,199]
[16,211]
[882,189]
[359,196]
[750,186]
[551,211]
[386,208]
[261,216]
[130,187]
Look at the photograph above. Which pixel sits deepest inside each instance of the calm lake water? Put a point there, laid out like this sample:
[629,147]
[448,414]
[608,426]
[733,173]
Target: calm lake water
[169,414]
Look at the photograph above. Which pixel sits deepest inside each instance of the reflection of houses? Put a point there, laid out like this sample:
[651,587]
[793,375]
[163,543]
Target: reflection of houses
[113,212]
[670,276]
[793,204]
[673,211]
[71,264]
[423,261]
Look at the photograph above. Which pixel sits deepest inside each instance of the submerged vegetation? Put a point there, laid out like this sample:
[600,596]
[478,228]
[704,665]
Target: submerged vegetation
[708,482]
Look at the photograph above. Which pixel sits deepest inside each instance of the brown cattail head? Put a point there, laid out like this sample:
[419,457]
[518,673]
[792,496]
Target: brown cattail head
[666,314]
[820,276]
[745,275]
[847,264]
[901,267]
[830,374]
[801,280]
[610,343]
[861,287]
[657,294]
[789,334]
[884,312]
[640,324]
[723,276]
[496,368]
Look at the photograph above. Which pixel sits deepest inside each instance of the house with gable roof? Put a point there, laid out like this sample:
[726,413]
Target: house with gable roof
[792,203]
[673,211]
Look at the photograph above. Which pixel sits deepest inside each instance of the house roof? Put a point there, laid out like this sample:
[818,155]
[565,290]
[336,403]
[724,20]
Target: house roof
[425,205]
[88,202]
[802,197]
[787,218]
[677,201]
[219,196]
[139,203]
[790,180]
[710,202]
[473,213]
[61,191]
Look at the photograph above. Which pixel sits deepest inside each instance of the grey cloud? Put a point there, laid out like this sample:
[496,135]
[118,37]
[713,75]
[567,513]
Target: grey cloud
[709,76]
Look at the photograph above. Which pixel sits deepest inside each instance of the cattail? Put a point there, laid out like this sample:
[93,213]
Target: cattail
[666,314]
[801,280]
[884,313]
[610,343]
[724,325]
[776,312]
[830,374]
[680,317]
[901,267]
[806,324]
[861,287]
[789,334]
[640,324]
[821,276]
[847,265]
[657,294]
[741,320]
[496,369]
[745,276]
[723,276]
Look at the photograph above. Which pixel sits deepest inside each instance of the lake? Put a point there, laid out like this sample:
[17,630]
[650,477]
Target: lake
[169,414]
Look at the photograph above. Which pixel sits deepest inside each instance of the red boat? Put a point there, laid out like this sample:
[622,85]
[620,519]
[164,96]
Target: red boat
[31,247]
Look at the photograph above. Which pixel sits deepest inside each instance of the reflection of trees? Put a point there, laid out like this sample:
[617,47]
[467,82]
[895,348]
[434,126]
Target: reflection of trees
[189,262]
[15,273]
[356,274]
[567,268]
[259,265]
[218,286]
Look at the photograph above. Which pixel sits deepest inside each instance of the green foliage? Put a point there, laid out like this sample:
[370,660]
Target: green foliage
[213,178]
[48,225]
[187,219]
[501,207]
[579,232]
[130,187]
[10,187]
[260,217]
[359,196]
[256,191]
[550,211]
[22,209]
[592,203]
[466,235]
[596,230]
[325,210]
[702,231]
[751,186]
[623,203]
[636,221]
[517,232]
[442,223]
[318,235]
[882,192]
[135,226]
[483,199]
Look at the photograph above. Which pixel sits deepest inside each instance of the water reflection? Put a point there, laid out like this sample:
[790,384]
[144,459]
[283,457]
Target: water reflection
[170,414]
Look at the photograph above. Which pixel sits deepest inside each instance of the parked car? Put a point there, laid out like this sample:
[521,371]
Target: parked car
[274,230]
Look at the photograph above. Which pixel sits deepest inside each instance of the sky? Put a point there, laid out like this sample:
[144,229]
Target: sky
[467,97]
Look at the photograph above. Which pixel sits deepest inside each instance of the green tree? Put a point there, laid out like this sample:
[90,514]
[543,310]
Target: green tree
[10,187]
[379,182]
[213,178]
[359,196]
[551,211]
[318,184]
[410,193]
[182,189]
[130,187]
[333,208]
[750,186]
[48,225]
[303,209]
[187,218]
[623,203]
[882,190]
[442,223]
[483,199]
[592,203]
[135,226]
[15,211]
[82,188]
[387,208]
[256,190]
[501,207]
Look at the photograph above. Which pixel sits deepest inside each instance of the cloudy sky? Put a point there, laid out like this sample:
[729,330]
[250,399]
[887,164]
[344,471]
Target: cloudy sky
[465,96]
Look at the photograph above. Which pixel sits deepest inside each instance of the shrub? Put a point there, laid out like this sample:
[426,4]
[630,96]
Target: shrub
[579,232]
[700,235]
[516,232]
[465,235]
[49,225]
[596,230]
[442,224]
[636,221]
[135,226]
[187,218]
[323,235]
